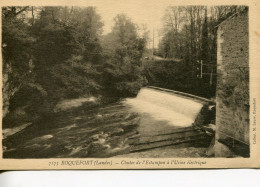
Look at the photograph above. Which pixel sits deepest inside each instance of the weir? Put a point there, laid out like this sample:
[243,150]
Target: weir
[169,118]
[177,109]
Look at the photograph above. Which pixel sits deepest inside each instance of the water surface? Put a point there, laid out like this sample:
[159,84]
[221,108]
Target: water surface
[102,131]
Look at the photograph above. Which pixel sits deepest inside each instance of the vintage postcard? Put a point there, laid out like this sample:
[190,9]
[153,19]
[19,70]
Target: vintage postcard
[133,84]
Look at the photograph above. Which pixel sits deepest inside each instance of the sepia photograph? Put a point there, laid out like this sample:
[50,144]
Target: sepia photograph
[126,81]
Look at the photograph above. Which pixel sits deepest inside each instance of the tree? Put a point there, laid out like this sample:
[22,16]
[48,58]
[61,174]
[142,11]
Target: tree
[87,29]
[17,44]
[204,40]
[49,53]
[54,39]
[123,70]
[68,50]
[190,34]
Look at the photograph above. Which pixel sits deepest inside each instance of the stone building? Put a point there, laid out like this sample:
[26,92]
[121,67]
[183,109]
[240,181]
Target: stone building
[232,95]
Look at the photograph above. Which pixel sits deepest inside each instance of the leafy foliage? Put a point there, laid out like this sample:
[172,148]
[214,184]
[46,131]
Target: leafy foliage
[123,69]
[190,34]
[55,53]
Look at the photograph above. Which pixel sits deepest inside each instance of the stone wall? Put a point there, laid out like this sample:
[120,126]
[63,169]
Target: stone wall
[232,96]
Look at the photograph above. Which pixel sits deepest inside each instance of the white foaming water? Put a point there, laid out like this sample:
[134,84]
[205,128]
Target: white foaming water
[176,110]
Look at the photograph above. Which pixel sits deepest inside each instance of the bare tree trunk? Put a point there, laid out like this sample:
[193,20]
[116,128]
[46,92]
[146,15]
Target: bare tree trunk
[32,16]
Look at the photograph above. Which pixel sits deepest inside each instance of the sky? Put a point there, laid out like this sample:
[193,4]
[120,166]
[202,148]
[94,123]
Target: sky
[140,12]
[147,12]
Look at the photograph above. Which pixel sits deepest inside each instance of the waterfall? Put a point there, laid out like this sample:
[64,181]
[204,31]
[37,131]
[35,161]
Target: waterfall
[163,106]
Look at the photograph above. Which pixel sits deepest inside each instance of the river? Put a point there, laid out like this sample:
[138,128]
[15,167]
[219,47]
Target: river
[145,126]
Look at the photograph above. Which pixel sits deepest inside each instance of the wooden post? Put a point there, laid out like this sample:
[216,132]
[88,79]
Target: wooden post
[210,81]
[153,42]
[201,65]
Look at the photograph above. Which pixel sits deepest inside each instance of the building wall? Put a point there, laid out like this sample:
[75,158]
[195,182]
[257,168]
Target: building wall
[232,95]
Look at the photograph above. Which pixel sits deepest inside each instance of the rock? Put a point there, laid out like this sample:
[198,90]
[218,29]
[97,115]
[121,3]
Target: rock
[211,152]
[99,116]
[98,136]
[34,146]
[73,103]
[96,147]
[221,150]
[107,146]
[4,148]
[105,135]
[78,118]
[212,126]
[116,131]
[42,138]
[75,150]
[131,116]
[101,141]
[212,107]
[11,131]
[94,137]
